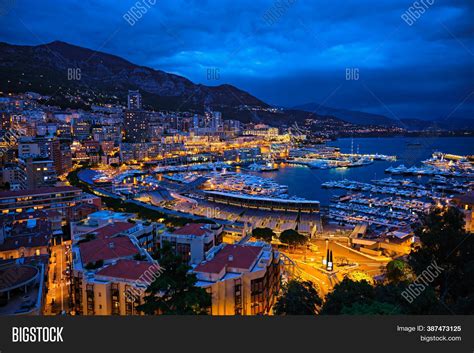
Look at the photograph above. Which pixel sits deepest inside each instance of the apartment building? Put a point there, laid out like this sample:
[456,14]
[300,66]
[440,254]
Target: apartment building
[261,130]
[40,172]
[13,174]
[107,279]
[242,279]
[193,241]
[108,224]
[20,238]
[59,198]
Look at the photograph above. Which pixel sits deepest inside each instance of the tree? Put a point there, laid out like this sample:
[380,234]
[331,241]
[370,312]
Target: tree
[292,237]
[347,293]
[424,304]
[265,234]
[437,279]
[358,276]
[399,271]
[174,292]
[298,298]
[94,265]
[87,237]
[447,247]
[139,257]
[372,308]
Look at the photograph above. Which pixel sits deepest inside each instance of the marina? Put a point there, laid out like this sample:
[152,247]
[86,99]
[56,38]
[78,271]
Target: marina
[439,164]
[248,192]
[192,167]
[245,184]
[326,157]
[260,167]
[403,188]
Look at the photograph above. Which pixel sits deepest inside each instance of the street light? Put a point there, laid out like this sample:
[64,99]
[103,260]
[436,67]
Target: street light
[325,260]
[330,263]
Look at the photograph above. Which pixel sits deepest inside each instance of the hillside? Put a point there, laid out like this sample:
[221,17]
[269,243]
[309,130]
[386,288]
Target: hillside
[107,78]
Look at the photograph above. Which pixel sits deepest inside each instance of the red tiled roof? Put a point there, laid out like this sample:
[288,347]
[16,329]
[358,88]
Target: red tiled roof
[53,213]
[40,191]
[12,243]
[129,269]
[107,249]
[110,230]
[15,275]
[236,256]
[85,206]
[36,228]
[30,215]
[192,229]
[15,217]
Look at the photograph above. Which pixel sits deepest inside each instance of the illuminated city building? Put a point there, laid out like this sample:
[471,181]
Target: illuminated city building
[59,198]
[107,278]
[40,172]
[136,126]
[261,130]
[193,241]
[108,224]
[134,101]
[241,279]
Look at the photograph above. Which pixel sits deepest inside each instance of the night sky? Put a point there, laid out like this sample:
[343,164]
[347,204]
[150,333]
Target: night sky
[295,55]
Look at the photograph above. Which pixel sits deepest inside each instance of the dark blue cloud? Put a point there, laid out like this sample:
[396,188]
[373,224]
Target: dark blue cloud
[286,52]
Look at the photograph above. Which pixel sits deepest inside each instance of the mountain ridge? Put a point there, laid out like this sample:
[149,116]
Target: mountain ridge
[348,115]
[107,78]
[363,118]
[110,73]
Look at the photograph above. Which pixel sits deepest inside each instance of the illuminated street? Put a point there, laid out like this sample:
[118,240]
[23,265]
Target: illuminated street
[57,298]
[309,263]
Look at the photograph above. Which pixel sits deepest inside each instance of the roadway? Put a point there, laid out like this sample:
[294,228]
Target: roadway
[309,261]
[57,298]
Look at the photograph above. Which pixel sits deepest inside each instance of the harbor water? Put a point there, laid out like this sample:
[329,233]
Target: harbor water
[306,182]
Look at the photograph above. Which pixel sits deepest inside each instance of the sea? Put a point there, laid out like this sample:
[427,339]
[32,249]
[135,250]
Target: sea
[410,151]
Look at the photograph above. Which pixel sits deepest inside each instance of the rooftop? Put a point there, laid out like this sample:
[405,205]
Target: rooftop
[17,242]
[263,199]
[106,214]
[110,230]
[13,217]
[24,283]
[40,191]
[401,234]
[128,269]
[107,249]
[197,229]
[232,256]
[30,234]
[16,276]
